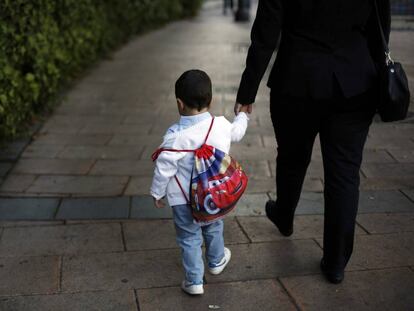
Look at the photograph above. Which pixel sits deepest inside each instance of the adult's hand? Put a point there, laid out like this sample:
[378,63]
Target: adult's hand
[242,108]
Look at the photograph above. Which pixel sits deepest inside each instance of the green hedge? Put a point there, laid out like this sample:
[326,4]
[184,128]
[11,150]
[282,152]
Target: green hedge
[45,43]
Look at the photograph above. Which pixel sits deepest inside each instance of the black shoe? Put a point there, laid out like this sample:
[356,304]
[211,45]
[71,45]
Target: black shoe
[334,277]
[271,213]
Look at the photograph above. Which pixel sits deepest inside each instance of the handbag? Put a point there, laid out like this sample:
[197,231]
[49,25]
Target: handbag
[394,91]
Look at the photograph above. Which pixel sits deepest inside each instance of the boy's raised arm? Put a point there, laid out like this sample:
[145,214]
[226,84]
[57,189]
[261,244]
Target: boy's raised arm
[239,126]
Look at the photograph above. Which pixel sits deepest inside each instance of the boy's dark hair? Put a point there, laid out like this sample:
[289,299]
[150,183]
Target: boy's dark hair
[194,88]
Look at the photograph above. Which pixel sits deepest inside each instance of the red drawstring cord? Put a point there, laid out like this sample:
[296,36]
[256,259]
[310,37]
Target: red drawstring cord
[157,153]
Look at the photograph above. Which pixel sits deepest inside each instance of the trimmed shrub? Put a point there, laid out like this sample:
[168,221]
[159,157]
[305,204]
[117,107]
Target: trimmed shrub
[45,43]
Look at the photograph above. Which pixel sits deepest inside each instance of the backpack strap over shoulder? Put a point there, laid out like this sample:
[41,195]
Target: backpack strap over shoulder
[209,130]
[157,152]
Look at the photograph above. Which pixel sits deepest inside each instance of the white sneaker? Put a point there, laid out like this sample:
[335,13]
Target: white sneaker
[217,269]
[192,289]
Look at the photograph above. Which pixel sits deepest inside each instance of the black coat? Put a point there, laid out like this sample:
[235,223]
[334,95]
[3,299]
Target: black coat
[323,42]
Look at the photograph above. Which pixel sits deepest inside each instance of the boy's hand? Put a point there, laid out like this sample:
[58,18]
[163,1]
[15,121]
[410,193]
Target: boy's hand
[243,108]
[159,203]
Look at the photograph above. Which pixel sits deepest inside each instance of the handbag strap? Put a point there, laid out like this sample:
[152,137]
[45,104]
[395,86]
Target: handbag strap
[381,29]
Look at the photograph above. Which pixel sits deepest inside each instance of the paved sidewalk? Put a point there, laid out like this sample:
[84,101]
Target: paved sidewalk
[91,160]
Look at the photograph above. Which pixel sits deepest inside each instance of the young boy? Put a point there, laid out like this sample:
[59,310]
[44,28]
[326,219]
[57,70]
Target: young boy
[193,91]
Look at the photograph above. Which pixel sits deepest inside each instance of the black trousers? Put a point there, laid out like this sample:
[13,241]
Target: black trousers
[343,126]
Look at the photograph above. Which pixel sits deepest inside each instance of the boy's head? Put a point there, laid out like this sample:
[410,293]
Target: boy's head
[193,88]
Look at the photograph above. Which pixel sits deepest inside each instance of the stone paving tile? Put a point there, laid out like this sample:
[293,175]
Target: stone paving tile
[5,168]
[17,183]
[388,143]
[384,201]
[233,234]
[260,229]
[139,186]
[149,234]
[259,130]
[52,166]
[56,128]
[42,151]
[123,168]
[59,240]
[134,140]
[388,170]
[251,140]
[109,185]
[310,203]
[386,223]
[238,296]
[94,208]
[251,204]
[409,193]
[72,139]
[32,195]
[101,152]
[113,271]
[28,208]
[403,155]
[140,118]
[91,301]
[142,207]
[117,129]
[382,251]
[313,184]
[269,185]
[160,234]
[242,152]
[260,185]
[270,260]
[369,202]
[256,169]
[13,150]
[377,156]
[315,170]
[387,183]
[120,271]
[80,120]
[270,141]
[391,131]
[29,275]
[23,223]
[392,291]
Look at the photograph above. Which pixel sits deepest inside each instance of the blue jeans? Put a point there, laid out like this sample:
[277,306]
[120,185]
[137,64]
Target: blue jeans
[190,239]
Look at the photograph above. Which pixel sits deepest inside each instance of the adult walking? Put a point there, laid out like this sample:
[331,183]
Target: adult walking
[324,81]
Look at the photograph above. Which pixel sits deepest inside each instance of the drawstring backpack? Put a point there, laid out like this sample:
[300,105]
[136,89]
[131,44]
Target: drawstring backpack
[217,182]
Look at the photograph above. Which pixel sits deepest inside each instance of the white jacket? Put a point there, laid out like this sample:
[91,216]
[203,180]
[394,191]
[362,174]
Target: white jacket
[180,164]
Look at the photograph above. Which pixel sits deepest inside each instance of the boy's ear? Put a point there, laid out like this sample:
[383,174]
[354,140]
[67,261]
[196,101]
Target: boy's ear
[180,104]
